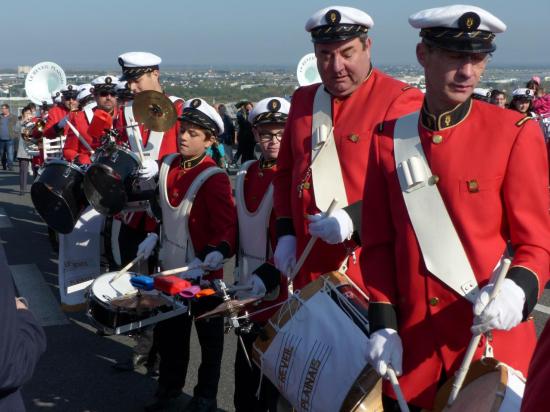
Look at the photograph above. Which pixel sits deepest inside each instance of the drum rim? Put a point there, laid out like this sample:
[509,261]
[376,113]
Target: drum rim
[121,148]
[64,163]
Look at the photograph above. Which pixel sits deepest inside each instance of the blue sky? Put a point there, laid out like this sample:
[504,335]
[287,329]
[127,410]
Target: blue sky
[79,34]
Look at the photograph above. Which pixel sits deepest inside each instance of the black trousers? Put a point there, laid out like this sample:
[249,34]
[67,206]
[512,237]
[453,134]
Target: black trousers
[247,381]
[173,339]
[129,240]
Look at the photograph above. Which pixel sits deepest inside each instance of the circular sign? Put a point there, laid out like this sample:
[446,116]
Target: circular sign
[306,71]
[43,81]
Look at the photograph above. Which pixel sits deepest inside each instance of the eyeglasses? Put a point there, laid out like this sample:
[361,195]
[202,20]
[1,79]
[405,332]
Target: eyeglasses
[268,137]
[105,93]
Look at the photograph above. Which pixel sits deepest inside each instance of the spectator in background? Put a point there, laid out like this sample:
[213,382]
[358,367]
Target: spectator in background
[541,102]
[8,133]
[22,155]
[245,137]
[522,101]
[227,138]
[498,98]
[22,341]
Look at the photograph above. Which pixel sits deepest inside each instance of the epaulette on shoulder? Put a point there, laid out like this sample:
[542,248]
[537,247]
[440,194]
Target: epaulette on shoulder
[522,121]
[407,87]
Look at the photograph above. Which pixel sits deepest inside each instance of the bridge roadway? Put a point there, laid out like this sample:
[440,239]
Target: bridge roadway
[76,374]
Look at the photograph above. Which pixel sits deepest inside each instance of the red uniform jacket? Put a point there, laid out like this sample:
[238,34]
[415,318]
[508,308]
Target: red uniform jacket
[169,145]
[256,183]
[536,397]
[213,217]
[55,114]
[355,118]
[73,147]
[492,170]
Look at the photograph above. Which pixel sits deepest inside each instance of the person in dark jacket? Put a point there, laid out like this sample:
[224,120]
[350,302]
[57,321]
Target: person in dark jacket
[22,341]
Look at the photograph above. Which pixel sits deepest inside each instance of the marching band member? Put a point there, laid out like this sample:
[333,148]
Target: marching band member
[200,237]
[85,97]
[103,91]
[338,116]
[257,238]
[141,72]
[59,114]
[470,179]
[123,93]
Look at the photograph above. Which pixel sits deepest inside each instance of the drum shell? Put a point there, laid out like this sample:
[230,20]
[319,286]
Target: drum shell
[57,195]
[109,179]
[109,318]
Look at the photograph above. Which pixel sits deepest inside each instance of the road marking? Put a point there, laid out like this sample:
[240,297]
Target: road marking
[31,284]
[542,308]
[5,221]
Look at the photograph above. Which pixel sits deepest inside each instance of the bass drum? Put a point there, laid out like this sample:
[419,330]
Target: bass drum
[57,194]
[110,178]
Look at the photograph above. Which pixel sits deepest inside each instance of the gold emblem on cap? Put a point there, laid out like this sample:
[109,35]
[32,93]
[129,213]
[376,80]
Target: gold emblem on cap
[332,17]
[469,22]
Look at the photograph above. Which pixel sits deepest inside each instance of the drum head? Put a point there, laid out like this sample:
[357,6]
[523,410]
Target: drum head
[53,208]
[479,393]
[103,290]
[105,190]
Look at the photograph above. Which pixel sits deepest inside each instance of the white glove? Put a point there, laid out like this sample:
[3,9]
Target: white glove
[285,254]
[149,169]
[504,312]
[385,349]
[196,272]
[332,229]
[213,261]
[147,246]
[257,288]
[63,122]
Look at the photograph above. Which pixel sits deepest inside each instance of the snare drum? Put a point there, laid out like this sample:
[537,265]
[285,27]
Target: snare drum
[325,368]
[57,194]
[112,307]
[110,178]
[489,386]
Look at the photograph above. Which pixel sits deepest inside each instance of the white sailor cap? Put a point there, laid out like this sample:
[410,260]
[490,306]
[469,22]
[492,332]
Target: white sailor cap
[107,82]
[269,110]
[481,93]
[84,90]
[199,112]
[523,93]
[69,91]
[121,85]
[135,64]
[338,23]
[461,28]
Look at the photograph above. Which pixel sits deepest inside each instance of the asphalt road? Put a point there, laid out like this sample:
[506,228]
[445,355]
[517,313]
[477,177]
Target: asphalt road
[76,374]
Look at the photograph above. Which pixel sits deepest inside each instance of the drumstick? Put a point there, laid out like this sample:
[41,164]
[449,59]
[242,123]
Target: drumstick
[126,268]
[397,389]
[311,243]
[176,270]
[474,342]
[81,138]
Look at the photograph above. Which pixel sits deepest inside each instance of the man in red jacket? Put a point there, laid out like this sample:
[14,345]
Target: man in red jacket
[325,147]
[58,115]
[448,189]
[103,90]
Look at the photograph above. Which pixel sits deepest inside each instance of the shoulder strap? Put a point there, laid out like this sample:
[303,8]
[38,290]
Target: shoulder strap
[441,248]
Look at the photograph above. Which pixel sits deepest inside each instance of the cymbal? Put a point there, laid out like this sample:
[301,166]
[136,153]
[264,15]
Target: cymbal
[228,308]
[154,110]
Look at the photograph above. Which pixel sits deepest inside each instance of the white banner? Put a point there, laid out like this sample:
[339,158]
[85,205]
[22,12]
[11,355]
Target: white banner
[80,257]
[316,357]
